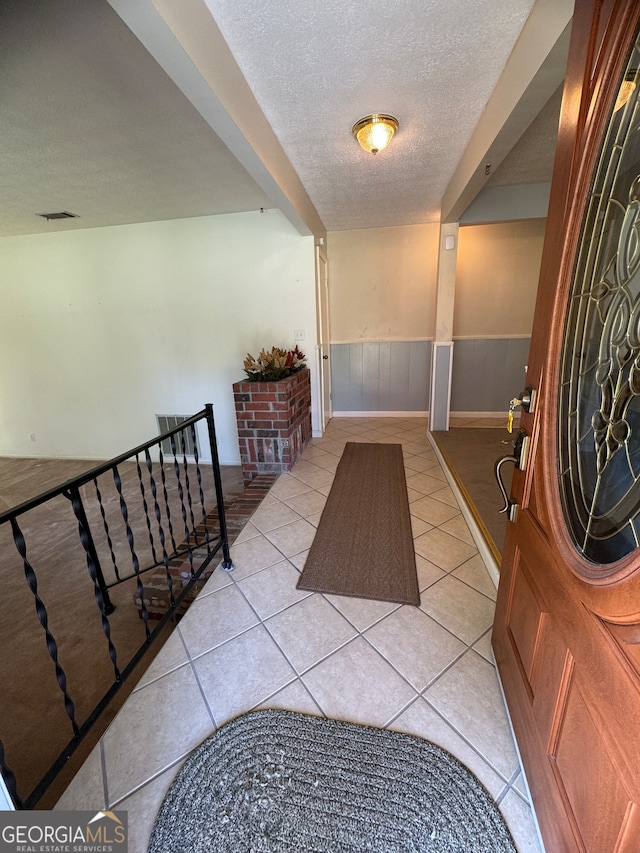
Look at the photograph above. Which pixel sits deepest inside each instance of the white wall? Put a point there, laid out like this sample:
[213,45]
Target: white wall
[100,329]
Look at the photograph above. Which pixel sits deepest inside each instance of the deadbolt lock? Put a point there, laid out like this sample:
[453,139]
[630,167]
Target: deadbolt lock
[527,400]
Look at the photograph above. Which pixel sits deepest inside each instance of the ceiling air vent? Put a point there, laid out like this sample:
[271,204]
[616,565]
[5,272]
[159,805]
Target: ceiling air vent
[63,214]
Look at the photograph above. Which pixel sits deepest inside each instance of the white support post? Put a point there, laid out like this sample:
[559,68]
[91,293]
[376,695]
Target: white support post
[442,357]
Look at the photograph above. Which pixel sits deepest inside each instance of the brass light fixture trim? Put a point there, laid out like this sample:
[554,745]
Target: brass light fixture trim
[375,132]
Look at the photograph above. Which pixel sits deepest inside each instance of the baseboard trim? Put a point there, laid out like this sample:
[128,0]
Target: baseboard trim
[485,551]
[380,414]
[369,414]
[480,415]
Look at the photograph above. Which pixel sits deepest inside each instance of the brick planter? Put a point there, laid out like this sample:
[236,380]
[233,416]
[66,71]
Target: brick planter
[274,423]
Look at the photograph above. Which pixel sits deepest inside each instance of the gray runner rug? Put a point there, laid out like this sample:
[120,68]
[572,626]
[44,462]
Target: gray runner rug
[280,782]
[364,544]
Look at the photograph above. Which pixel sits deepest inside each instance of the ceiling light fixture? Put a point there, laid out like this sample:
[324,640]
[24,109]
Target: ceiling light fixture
[375,132]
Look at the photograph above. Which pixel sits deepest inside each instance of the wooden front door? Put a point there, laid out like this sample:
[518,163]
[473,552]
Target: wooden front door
[567,628]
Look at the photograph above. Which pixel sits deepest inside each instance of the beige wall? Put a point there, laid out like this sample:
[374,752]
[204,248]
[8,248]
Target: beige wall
[497,278]
[382,283]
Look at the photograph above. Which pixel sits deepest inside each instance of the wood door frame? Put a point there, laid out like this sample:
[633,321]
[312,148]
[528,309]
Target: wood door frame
[323,336]
[534,574]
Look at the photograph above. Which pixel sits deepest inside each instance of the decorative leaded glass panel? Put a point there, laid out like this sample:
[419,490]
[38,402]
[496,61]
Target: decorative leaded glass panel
[599,404]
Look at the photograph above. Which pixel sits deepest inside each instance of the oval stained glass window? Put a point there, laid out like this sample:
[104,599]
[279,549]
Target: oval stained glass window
[599,400]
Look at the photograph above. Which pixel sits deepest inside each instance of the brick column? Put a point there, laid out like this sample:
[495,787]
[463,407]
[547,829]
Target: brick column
[274,423]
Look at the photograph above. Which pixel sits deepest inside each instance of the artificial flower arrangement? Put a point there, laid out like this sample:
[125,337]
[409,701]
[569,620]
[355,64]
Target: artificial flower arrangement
[273,365]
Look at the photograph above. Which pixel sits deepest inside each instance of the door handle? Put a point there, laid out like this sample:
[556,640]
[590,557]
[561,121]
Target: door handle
[519,458]
[510,507]
[325,357]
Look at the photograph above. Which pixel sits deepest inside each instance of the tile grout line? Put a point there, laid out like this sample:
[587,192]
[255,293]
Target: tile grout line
[471,746]
[509,784]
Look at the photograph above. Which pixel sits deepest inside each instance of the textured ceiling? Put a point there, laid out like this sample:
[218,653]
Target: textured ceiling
[316,68]
[91,123]
[530,161]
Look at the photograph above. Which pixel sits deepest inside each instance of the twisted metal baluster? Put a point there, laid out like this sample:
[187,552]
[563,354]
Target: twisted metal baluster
[134,557]
[107,532]
[196,459]
[104,605]
[187,484]
[156,506]
[43,618]
[146,510]
[176,469]
[163,477]
[10,780]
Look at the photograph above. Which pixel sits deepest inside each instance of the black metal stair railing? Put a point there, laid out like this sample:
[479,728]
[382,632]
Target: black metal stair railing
[124,522]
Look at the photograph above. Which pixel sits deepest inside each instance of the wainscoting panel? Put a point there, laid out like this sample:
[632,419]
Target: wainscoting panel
[487,373]
[393,376]
[383,376]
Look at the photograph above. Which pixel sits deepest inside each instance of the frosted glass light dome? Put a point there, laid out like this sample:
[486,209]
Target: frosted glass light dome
[375,132]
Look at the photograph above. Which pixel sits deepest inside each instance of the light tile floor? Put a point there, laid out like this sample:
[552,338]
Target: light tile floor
[252,640]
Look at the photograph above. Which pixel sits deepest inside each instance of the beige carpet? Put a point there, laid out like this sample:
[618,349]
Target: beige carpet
[364,545]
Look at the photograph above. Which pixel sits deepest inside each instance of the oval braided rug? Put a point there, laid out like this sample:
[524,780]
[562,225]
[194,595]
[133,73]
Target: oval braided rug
[272,781]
